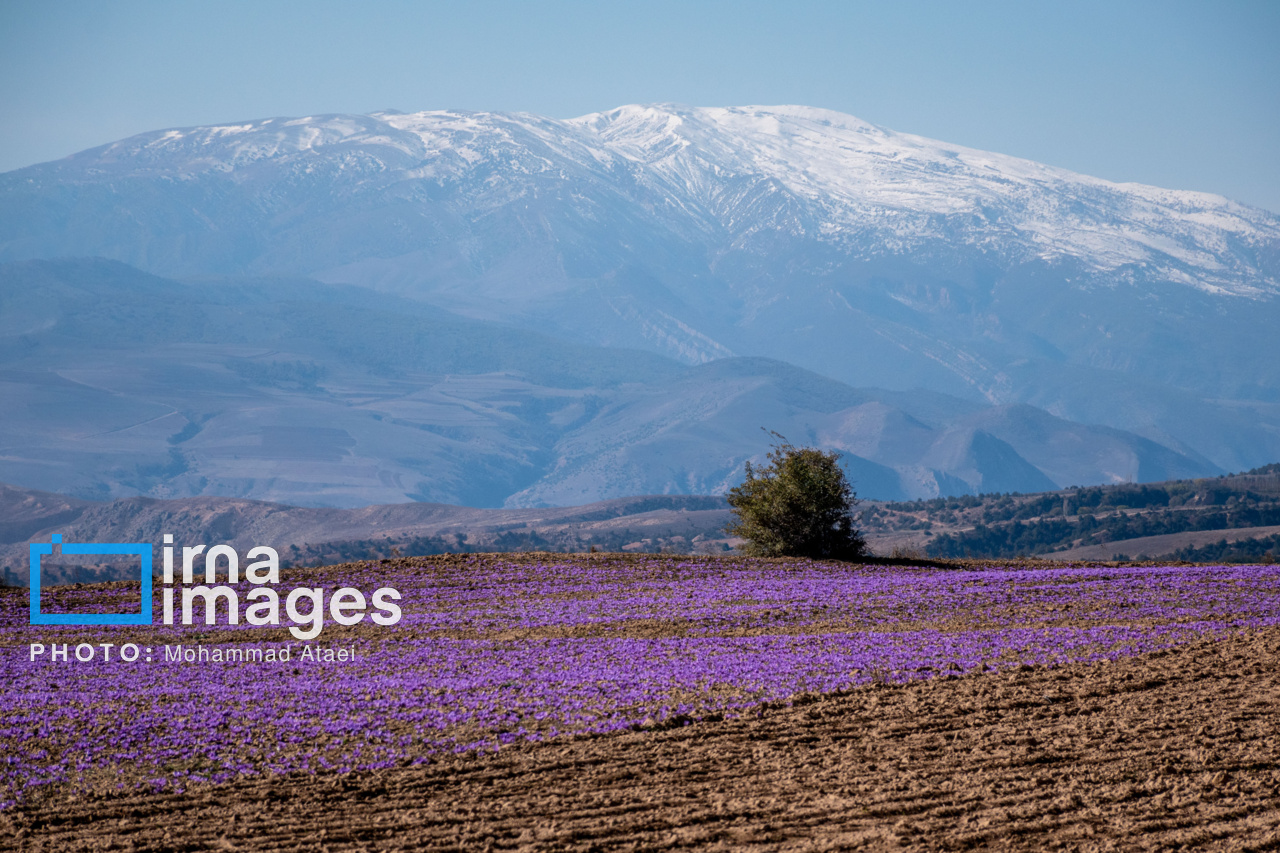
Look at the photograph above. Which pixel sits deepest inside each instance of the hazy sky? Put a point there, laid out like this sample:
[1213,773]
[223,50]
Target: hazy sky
[1177,94]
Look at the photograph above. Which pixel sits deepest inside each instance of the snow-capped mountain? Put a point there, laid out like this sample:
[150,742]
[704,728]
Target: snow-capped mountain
[732,173]
[874,257]
[874,192]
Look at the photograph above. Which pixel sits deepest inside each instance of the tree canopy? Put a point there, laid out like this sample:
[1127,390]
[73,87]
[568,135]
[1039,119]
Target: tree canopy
[799,505]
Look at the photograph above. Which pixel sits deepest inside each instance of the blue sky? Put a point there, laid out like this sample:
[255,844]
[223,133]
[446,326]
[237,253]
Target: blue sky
[1177,94]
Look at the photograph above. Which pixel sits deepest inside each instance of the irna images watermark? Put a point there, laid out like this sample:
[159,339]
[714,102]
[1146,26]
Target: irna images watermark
[194,595]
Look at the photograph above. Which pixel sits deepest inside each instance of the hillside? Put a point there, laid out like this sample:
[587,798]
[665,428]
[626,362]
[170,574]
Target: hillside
[316,536]
[1221,519]
[1235,518]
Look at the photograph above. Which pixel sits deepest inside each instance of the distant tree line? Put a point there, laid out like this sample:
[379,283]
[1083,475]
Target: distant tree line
[1049,534]
[353,550]
[1011,525]
[1091,500]
[1264,550]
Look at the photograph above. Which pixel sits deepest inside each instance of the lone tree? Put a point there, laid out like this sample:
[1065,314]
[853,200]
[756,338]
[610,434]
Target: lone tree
[799,505]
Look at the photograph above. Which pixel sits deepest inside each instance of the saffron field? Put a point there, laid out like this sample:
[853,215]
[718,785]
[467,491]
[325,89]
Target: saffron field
[494,649]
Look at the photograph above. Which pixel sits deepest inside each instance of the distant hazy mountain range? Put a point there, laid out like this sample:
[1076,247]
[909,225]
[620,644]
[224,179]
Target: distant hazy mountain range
[495,309]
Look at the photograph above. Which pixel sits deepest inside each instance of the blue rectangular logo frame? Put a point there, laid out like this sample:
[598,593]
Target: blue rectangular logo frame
[138,549]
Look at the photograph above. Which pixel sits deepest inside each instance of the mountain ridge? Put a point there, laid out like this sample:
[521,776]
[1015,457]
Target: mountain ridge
[816,154]
[874,258]
[121,383]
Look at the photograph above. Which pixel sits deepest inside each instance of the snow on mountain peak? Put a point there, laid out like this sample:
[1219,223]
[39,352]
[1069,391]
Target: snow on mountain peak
[751,170]
[854,176]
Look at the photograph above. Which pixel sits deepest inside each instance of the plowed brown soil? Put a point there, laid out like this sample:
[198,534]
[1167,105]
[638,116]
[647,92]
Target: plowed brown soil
[1177,750]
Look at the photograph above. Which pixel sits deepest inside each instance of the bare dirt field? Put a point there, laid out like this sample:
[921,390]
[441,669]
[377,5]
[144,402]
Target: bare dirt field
[1175,750]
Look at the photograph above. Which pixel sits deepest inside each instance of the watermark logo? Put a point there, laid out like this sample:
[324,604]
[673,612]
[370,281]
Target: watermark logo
[183,596]
[140,550]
